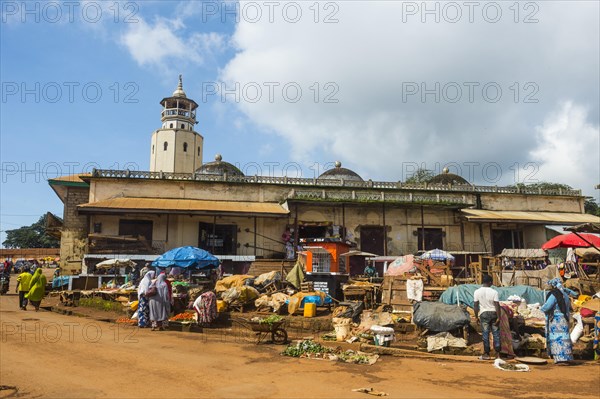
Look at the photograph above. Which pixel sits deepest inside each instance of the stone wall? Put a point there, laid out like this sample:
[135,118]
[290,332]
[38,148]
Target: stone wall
[74,232]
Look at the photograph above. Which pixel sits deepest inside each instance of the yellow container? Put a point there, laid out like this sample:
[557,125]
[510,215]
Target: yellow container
[221,306]
[310,309]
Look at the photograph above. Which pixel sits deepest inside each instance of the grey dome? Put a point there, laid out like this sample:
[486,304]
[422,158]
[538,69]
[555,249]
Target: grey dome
[219,167]
[447,178]
[339,173]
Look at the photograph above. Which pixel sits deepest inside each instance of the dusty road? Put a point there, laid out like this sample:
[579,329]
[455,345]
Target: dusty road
[47,355]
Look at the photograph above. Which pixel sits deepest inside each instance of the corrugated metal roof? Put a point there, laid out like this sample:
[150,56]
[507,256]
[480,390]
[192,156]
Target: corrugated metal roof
[586,228]
[70,178]
[480,215]
[524,253]
[171,205]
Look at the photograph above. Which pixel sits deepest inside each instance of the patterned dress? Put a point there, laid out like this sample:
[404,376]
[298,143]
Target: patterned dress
[506,342]
[206,308]
[143,312]
[558,338]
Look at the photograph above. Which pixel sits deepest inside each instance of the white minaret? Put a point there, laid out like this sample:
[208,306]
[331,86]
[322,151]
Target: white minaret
[176,147]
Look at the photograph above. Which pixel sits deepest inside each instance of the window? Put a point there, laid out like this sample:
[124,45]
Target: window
[153,148]
[506,239]
[182,126]
[371,239]
[198,151]
[220,239]
[136,228]
[171,125]
[431,239]
[165,145]
[184,147]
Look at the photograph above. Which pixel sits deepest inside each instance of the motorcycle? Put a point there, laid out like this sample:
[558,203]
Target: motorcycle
[4,283]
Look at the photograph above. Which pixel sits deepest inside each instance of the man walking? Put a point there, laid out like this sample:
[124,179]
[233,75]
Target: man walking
[487,312]
[23,287]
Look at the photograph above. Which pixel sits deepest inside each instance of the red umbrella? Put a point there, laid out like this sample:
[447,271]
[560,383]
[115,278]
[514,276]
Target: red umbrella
[573,241]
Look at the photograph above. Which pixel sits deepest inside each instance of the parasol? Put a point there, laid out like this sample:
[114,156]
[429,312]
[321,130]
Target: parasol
[573,240]
[186,257]
[438,254]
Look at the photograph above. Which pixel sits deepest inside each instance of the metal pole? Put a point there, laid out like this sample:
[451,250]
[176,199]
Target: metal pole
[255,236]
[422,230]
[384,232]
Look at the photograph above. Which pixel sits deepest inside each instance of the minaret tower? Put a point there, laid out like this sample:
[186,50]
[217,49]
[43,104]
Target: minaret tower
[176,147]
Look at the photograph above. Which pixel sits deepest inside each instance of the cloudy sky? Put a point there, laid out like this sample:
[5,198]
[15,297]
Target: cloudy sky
[501,92]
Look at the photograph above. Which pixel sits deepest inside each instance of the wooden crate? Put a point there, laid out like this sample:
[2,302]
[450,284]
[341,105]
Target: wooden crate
[394,293]
[307,286]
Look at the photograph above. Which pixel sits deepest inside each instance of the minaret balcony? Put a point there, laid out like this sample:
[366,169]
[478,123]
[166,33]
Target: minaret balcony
[169,113]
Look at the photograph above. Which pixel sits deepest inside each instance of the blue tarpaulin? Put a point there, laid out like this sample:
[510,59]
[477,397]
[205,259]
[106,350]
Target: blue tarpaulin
[59,281]
[465,294]
[187,257]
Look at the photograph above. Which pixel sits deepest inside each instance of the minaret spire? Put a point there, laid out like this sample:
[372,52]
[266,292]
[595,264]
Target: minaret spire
[179,91]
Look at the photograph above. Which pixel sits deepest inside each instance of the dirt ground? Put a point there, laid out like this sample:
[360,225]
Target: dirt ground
[49,355]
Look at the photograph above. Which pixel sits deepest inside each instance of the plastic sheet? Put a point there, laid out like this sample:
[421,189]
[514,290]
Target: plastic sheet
[465,294]
[440,317]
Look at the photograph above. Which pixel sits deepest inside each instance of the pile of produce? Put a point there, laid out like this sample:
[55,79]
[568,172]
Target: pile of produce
[270,320]
[313,350]
[309,349]
[183,317]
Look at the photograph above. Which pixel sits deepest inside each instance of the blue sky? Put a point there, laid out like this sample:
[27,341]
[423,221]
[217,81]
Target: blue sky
[386,87]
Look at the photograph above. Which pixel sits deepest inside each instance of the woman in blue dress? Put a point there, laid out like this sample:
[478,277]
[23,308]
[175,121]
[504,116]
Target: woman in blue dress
[143,308]
[557,309]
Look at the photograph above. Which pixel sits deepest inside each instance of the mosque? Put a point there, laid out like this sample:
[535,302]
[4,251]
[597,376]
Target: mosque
[182,200]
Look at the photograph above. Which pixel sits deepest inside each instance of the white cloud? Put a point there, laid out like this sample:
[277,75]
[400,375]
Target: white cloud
[373,56]
[568,149]
[165,43]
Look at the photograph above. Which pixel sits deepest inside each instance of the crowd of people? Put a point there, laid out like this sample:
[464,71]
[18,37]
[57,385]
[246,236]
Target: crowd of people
[495,319]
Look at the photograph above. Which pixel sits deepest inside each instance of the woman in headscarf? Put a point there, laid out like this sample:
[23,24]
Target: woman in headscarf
[160,304]
[143,308]
[37,289]
[557,309]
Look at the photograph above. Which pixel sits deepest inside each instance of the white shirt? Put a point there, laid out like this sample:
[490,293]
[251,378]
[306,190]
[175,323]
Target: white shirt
[486,296]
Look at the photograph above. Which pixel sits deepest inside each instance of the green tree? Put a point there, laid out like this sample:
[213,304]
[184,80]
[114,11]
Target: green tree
[33,236]
[591,206]
[421,176]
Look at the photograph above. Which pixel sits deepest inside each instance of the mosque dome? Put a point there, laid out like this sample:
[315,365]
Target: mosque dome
[447,178]
[219,167]
[339,173]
